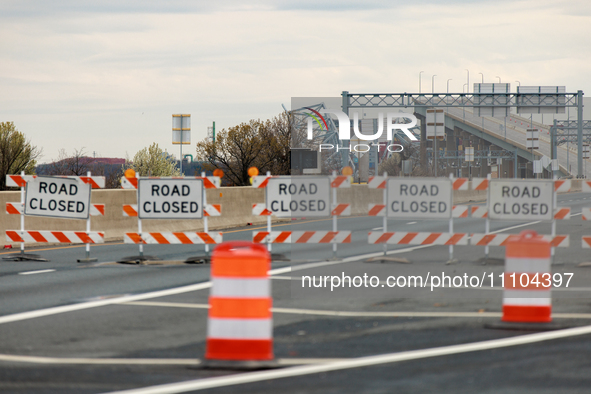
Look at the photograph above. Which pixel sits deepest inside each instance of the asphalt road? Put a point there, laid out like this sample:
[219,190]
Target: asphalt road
[106,327]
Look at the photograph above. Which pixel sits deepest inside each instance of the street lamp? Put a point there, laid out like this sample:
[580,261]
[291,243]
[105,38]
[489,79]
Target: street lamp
[433,83]
[464,88]
[499,79]
[420,80]
[482,77]
[448,85]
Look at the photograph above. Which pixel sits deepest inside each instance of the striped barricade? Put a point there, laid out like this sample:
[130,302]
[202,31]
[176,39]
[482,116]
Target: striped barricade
[376,210]
[340,181]
[586,213]
[562,213]
[209,182]
[586,240]
[302,237]
[165,238]
[341,210]
[96,182]
[68,237]
[460,184]
[259,209]
[479,212]
[209,210]
[261,181]
[377,182]
[459,211]
[557,241]
[562,185]
[16,208]
[586,186]
[480,184]
[418,238]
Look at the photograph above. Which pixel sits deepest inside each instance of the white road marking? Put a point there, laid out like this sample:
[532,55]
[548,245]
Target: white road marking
[411,223]
[376,228]
[204,285]
[319,312]
[36,272]
[143,361]
[224,381]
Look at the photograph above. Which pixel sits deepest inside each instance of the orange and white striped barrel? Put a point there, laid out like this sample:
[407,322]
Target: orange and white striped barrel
[528,279]
[240,324]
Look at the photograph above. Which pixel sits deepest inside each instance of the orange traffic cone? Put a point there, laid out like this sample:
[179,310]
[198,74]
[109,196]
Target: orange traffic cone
[240,325]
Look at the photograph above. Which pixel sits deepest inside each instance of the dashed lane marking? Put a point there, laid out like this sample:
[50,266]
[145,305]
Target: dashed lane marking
[36,272]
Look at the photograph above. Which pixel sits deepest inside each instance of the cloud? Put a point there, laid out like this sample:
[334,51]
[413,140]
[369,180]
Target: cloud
[78,75]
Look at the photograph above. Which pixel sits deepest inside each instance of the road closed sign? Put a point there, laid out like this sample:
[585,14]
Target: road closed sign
[520,199]
[57,197]
[170,198]
[414,198]
[298,196]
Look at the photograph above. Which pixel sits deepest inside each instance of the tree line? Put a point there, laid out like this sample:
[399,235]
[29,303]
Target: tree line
[261,144]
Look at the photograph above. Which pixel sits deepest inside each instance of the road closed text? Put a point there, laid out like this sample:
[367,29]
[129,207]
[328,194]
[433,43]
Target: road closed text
[428,199]
[57,197]
[298,197]
[511,200]
[170,198]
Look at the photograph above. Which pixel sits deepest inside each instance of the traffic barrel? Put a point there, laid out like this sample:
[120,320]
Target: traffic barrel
[240,325]
[527,281]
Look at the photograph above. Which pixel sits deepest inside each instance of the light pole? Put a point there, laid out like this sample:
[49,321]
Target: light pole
[420,80]
[468,80]
[448,85]
[433,83]
[482,77]
[499,79]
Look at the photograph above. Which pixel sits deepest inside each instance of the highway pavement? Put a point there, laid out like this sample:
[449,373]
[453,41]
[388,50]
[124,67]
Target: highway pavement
[104,327]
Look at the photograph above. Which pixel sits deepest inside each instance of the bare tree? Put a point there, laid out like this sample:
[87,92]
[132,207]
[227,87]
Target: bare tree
[76,164]
[264,145]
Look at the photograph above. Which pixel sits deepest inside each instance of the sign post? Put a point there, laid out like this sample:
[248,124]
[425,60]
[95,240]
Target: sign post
[181,133]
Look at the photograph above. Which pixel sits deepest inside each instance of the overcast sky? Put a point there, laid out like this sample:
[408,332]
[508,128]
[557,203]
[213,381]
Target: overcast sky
[106,76]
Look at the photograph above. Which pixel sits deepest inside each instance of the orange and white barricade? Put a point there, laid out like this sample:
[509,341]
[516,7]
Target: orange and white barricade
[417,238]
[302,237]
[68,237]
[527,280]
[140,238]
[556,241]
[22,235]
[240,324]
[460,211]
[167,238]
